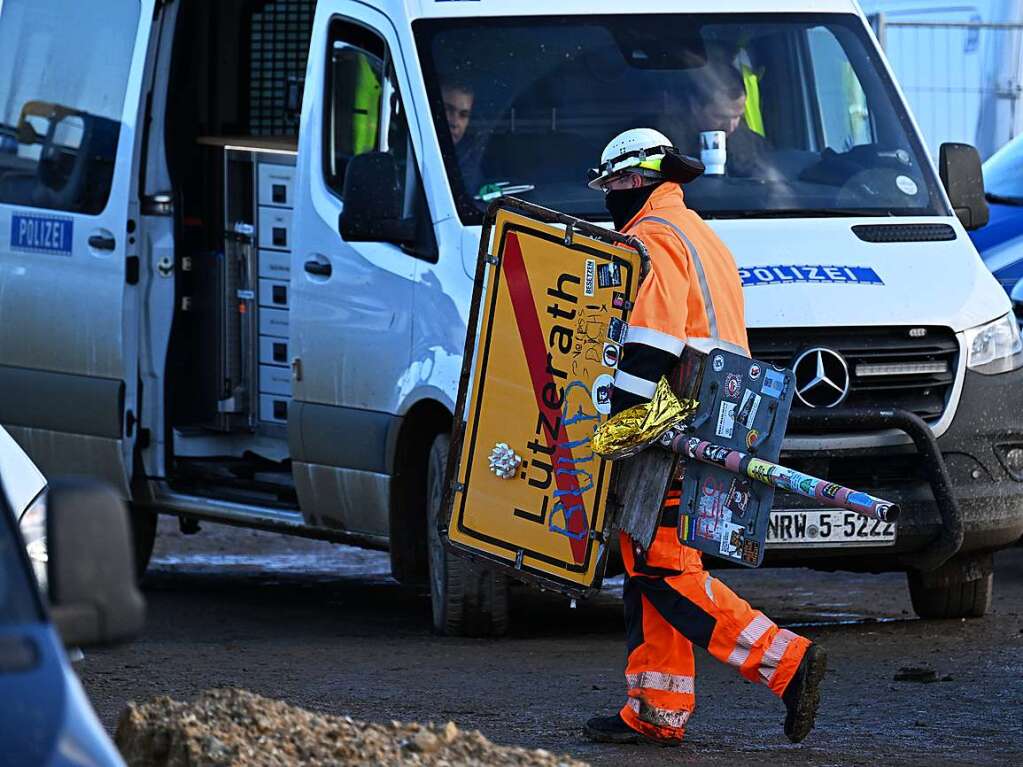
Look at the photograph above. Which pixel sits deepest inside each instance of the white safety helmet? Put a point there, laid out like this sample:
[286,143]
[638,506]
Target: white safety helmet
[638,150]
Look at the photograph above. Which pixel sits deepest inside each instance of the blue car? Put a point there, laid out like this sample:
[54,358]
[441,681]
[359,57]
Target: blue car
[1001,242]
[46,719]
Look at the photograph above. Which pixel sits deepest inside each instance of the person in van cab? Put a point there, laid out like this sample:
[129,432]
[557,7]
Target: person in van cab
[459,97]
[691,295]
[716,100]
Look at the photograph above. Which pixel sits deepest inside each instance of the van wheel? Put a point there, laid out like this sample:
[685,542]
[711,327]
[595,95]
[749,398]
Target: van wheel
[143,535]
[467,599]
[956,599]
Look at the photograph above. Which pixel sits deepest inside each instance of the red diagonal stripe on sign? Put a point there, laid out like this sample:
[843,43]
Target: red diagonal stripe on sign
[535,348]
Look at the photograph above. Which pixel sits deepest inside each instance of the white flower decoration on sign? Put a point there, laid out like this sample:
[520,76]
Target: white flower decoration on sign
[504,462]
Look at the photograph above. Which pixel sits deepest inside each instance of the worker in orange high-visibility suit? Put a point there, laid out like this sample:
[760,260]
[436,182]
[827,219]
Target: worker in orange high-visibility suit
[693,295]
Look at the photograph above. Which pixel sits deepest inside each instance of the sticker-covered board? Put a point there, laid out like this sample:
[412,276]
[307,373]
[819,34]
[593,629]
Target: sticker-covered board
[744,406]
[549,318]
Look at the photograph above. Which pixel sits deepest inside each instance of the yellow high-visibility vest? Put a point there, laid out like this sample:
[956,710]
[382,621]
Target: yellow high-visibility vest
[365,108]
[754,116]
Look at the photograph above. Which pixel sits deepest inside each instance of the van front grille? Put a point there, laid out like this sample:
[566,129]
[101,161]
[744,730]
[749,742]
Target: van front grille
[911,369]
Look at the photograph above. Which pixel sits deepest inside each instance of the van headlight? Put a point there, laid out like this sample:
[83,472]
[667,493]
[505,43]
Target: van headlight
[33,530]
[995,347]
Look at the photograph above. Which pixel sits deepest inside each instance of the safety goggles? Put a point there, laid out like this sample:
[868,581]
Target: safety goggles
[647,160]
[615,183]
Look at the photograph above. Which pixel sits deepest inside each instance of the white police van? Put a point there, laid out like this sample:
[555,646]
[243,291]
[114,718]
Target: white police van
[236,315]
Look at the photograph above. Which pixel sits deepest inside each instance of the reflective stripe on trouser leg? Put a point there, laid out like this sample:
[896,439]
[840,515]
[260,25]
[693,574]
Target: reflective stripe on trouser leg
[747,638]
[781,659]
[657,680]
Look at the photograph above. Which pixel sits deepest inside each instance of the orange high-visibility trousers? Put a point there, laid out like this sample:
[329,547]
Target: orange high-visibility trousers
[672,603]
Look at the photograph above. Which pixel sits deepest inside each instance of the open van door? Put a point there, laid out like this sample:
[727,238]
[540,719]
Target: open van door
[69,268]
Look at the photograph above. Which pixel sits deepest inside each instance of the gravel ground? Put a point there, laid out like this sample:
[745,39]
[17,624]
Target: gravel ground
[323,627]
[229,728]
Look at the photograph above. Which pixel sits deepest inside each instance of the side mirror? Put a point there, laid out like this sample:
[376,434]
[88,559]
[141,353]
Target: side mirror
[91,572]
[373,202]
[963,179]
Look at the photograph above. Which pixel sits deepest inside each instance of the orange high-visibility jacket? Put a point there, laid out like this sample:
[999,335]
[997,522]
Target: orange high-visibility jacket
[693,291]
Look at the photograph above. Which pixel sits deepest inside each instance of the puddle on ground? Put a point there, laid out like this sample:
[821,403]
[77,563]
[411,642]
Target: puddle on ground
[356,562]
[862,620]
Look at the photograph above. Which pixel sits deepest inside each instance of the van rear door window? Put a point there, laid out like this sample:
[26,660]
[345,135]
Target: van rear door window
[66,68]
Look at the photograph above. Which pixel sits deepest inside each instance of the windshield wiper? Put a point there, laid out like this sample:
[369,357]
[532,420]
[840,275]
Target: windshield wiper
[803,213]
[1002,200]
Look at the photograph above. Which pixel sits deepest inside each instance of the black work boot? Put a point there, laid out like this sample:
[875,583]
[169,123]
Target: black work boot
[613,729]
[610,729]
[803,695]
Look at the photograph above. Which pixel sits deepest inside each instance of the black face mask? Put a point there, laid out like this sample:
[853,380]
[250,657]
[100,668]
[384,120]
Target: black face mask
[623,204]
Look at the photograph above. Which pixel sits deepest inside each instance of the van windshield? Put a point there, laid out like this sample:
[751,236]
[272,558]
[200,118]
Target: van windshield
[812,126]
[65,71]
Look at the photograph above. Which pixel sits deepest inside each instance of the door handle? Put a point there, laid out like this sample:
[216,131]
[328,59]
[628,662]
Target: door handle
[102,242]
[319,268]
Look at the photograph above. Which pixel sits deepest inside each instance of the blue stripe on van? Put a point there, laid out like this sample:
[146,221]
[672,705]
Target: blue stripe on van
[791,273]
[42,234]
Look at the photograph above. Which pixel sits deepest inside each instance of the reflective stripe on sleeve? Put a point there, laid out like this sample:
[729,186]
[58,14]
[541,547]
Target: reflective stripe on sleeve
[659,717]
[656,680]
[656,339]
[634,384]
[749,637]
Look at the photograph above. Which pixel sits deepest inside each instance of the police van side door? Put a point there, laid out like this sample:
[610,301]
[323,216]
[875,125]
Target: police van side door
[69,104]
[352,301]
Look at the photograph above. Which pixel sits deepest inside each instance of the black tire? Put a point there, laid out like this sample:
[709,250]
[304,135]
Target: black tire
[467,599]
[143,534]
[958,599]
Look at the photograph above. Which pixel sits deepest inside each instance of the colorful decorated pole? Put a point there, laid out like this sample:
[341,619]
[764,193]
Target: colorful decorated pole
[665,420]
[824,492]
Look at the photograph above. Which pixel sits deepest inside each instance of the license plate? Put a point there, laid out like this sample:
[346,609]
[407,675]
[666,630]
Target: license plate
[826,527]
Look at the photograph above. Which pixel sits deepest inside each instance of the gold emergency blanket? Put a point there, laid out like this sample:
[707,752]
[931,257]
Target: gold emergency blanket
[635,429]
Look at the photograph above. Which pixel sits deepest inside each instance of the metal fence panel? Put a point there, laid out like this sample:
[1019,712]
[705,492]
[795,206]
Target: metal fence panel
[962,79]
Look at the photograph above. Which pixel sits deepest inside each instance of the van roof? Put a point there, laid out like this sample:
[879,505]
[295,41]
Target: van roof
[461,8]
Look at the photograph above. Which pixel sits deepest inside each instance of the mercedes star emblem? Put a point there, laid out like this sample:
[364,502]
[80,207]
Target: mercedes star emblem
[822,377]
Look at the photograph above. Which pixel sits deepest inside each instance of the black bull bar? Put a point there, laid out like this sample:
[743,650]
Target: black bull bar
[950,539]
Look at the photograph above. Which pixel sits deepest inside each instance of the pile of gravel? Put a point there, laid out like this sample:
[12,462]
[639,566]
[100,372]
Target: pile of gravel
[225,728]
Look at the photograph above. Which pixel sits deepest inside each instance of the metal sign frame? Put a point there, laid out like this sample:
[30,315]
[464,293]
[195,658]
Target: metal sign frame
[517,563]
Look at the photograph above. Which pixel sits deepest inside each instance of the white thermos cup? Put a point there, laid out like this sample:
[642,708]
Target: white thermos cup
[712,152]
